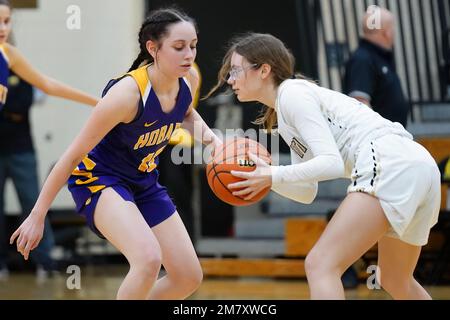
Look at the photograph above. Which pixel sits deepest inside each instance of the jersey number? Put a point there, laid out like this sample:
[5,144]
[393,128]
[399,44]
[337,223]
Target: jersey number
[148,163]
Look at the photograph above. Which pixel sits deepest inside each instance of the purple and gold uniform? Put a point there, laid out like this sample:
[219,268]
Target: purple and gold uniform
[127,157]
[4,74]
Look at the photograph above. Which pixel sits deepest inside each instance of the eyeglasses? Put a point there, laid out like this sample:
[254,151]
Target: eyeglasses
[235,71]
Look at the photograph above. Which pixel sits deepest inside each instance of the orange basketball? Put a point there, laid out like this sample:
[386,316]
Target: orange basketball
[233,156]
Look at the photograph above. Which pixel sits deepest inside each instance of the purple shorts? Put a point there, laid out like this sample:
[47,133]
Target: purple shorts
[154,203]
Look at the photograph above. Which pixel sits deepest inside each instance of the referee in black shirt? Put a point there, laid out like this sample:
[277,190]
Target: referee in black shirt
[370,74]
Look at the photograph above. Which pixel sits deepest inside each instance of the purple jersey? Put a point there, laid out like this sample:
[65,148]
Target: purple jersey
[128,154]
[4,74]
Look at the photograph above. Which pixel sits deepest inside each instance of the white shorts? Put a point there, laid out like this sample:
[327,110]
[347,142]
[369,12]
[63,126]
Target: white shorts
[405,178]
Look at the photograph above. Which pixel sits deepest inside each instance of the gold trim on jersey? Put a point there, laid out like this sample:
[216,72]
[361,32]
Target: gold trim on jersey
[3,94]
[447,170]
[4,53]
[90,165]
[3,89]
[81,173]
[95,189]
[140,75]
[182,137]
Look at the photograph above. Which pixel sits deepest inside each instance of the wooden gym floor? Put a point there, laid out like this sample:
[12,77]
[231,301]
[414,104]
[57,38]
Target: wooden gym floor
[103,282]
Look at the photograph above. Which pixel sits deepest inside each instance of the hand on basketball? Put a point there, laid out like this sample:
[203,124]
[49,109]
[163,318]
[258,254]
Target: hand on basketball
[256,180]
[28,234]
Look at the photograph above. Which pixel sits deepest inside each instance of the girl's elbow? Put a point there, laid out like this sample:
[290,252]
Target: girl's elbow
[47,88]
[50,86]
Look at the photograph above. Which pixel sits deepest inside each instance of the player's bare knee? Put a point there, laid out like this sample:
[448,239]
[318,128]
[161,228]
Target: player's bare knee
[397,287]
[195,279]
[318,264]
[313,263]
[190,278]
[192,282]
[147,261]
[147,271]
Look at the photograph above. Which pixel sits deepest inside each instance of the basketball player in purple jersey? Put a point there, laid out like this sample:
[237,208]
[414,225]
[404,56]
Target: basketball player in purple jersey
[115,181]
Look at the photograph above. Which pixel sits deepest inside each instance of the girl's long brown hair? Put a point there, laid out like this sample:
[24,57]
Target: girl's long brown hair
[259,49]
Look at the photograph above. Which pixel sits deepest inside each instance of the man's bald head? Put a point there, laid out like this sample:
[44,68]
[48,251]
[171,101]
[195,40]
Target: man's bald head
[378,26]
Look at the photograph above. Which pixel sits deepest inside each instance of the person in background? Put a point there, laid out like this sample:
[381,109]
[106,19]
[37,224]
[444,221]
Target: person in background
[370,74]
[17,156]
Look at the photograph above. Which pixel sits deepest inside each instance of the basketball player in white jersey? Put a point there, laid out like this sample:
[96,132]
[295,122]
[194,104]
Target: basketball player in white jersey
[394,195]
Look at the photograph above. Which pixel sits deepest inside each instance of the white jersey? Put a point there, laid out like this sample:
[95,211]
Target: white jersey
[324,130]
